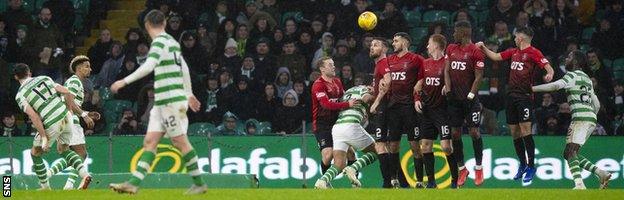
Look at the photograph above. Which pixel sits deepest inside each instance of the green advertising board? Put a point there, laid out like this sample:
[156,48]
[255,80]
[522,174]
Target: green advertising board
[278,161]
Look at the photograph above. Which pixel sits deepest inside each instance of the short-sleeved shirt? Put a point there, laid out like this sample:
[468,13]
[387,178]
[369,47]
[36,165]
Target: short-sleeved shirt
[433,82]
[355,114]
[74,85]
[580,91]
[405,72]
[522,70]
[39,93]
[463,60]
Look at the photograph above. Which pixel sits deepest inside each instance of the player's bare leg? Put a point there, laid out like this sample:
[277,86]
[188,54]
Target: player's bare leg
[150,143]
[418,163]
[340,162]
[326,158]
[182,143]
[529,145]
[458,154]
[477,145]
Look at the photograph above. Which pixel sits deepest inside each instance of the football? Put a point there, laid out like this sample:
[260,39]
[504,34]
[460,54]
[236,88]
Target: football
[367,20]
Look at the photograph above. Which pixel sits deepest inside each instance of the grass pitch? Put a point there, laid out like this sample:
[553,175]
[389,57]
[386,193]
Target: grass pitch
[274,194]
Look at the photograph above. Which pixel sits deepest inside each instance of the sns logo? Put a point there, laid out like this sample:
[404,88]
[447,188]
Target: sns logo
[398,76]
[432,81]
[517,66]
[456,65]
[6,186]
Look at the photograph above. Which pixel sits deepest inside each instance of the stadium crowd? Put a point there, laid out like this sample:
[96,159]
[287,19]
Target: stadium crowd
[253,61]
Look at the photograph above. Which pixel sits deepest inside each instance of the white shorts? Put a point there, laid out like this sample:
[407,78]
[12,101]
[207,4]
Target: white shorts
[61,131]
[78,136]
[579,132]
[170,119]
[350,134]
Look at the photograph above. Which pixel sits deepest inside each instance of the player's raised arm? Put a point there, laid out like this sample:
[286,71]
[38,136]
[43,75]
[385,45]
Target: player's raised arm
[319,91]
[384,86]
[489,53]
[549,87]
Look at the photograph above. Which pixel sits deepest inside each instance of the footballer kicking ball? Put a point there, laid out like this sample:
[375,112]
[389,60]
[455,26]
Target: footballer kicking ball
[367,20]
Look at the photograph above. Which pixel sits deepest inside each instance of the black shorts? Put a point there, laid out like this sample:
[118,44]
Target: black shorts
[378,125]
[323,135]
[402,119]
[519,109]
[461,111]
[434,122]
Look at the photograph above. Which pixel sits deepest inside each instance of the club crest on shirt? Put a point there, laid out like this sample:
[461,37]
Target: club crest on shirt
[465,56]
[524,56]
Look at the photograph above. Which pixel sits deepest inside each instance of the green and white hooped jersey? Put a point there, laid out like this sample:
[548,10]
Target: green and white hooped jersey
[39,93]
[74,85]
[354,114]
[580,91]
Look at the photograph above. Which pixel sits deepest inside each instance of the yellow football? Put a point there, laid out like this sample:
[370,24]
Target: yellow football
[367,20]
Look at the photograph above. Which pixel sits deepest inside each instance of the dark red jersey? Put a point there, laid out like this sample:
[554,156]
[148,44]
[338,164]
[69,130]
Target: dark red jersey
[463,61]
[381,68]
[433,81]
[325,105]
[522,69]
[405,72]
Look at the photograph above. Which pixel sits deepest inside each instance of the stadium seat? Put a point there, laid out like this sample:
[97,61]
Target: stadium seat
[4,5]
[418,33]
[113,109]
[587,33]
[202,129]
[618,68]
[413,18]
[479,5]
[607,62]
[436,15]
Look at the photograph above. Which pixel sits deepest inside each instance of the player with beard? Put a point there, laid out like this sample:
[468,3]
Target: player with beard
[405,69]
[463,74]
[525,61]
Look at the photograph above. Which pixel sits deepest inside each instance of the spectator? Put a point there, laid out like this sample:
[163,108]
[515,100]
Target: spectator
[331,25]
[45,45]
[283,81]
[16,15]
[326,50]
[245,100]
[607,41]
[194,54]
[226,91]
[265,61]
[505,11]
[305,101]
[261,29]
[229,126]
[213,17]
[288,117]
[267,104]
[602,73]
[318,28]
[546,109]
[278,40]
[549,37]
[251,9]
[250,128]
[362,61]
[129,92]
[606,114]
[347,76]
[226,30]
[210,110]
[133,37]
[230,59]
[145,102]
[64,16]
[391,20]
[8,126]
[111,67]
[342,56]
[290,59]
[553,126]
[564,116]
[249,72]
[615,15]
[174,27]
[128,125]
[189,11]
[306,46]
[271,7]
[522,21]
[15,47]
[290,29]
[434,28]
[536,10]
[4,39]
[100,51]
[142,50]
[563,16]
[502,35]
[242,40]
[207,39]
[313,76]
